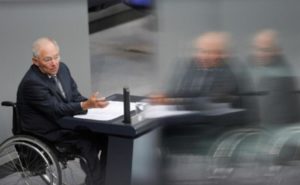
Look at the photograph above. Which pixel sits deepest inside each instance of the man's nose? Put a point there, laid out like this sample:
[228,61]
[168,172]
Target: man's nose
[53,62]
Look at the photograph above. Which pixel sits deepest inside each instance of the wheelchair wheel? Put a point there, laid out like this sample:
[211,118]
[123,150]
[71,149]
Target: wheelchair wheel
[285,154]
[27,160]
[237,152]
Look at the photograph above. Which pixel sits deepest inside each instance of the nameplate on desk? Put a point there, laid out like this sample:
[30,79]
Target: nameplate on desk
[110,112]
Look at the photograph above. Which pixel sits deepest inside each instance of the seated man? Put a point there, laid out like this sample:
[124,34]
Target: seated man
[202,82]
[206,74]
[48,92]
[272,74]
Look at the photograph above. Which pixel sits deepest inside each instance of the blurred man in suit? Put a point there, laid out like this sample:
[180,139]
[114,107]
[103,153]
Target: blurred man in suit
[48,92]
[272,74]
[203,82]
[206,75]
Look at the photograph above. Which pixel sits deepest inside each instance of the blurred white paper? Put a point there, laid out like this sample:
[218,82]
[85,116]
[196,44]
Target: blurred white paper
[112,111]
[160,111]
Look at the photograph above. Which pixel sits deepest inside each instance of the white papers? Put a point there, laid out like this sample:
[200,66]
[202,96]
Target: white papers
[146,111]
[112,111]
[160,111]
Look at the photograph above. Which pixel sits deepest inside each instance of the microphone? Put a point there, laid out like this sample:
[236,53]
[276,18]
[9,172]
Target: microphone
[126,99]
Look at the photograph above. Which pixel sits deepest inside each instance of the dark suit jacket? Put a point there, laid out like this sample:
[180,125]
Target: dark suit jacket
[40,103]
[192,82]
[280,105]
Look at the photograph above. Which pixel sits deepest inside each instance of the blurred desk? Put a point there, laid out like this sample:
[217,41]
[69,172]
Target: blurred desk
[123,139]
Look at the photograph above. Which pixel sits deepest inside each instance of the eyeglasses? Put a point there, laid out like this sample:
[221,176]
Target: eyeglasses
[49,59]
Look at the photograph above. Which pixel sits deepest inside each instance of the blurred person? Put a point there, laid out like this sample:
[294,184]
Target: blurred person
[273,76]
[48,92]
[205,77]
[204,82]
[208,80]
[278,107]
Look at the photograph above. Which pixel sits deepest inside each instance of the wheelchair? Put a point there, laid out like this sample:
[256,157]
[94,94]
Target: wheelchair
[266,157]
[238,148]
[30,160]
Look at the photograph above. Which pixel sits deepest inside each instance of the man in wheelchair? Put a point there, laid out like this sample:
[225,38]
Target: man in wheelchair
[47,93]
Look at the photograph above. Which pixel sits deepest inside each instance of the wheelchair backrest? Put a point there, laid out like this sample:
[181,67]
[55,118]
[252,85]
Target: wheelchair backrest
[16,127]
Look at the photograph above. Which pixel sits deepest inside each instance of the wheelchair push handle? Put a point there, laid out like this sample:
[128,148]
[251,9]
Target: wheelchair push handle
[8,104]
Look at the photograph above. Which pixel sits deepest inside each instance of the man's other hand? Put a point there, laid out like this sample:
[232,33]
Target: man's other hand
[94,102]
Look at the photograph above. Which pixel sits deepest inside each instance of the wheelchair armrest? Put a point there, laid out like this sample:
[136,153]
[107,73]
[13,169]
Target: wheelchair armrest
[8,103]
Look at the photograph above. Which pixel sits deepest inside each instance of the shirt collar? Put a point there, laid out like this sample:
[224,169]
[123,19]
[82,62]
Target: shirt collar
[51,76]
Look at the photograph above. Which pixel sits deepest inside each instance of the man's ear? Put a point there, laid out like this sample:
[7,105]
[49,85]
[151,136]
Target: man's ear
[35,61]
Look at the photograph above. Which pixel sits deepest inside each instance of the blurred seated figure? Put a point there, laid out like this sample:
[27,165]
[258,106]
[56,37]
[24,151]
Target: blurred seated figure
[272,75]
[203,82]
[206,77]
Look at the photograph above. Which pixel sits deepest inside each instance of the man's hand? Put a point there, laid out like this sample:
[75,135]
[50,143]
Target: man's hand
[160,99]
[94,102]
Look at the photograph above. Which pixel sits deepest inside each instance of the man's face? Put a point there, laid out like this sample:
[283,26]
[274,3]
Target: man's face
[48,59]
[264,50]
[210,52]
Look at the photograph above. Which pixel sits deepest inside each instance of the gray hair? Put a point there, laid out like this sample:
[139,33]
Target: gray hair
[36,47]
[223,38]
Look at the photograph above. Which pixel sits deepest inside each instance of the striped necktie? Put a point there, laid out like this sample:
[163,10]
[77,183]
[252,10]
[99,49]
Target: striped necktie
[59,86]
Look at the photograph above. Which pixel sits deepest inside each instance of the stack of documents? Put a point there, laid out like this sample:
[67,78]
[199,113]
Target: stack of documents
[114,110]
